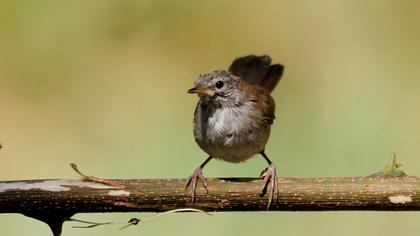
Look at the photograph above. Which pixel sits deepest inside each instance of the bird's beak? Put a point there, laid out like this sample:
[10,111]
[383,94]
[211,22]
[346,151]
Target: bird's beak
[202,91]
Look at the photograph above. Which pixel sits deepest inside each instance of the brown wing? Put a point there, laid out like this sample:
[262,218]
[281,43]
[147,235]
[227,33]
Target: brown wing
[262,101]
[257,71]
[266,104]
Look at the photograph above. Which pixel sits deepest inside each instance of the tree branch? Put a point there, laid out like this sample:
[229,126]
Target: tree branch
[55,201]
[32,197]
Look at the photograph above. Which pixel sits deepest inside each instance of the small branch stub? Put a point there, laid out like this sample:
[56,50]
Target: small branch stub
[391,169]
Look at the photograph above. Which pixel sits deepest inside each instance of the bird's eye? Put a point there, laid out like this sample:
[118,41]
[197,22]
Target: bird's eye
[219,84]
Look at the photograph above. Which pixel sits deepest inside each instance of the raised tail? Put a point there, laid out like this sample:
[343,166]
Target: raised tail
[257,71]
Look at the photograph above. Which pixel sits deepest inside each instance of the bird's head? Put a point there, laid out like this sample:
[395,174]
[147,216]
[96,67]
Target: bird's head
[218,88]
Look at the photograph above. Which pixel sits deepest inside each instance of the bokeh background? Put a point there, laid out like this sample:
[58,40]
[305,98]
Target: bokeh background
[103,84]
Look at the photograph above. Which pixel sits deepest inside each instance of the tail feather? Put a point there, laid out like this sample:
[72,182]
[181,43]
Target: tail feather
[257,71]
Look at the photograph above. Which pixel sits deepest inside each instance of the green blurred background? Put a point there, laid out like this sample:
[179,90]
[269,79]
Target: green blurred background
[103,84]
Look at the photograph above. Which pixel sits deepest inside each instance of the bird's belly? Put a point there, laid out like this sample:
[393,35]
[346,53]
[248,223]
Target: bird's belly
[234,154]
[231,136]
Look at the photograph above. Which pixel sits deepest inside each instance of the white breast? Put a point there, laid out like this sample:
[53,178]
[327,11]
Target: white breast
[232,134]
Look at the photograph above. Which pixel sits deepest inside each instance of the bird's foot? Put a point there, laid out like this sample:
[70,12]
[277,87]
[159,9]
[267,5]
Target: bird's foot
[269,176]
[193,179]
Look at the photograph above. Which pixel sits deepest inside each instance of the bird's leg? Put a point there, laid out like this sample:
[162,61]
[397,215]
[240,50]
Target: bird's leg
[197,175]
[269,176]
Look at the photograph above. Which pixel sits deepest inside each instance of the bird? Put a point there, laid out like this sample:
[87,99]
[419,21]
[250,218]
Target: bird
[233,117]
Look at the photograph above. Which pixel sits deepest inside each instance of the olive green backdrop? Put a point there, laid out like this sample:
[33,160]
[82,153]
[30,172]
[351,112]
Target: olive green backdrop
[103,84]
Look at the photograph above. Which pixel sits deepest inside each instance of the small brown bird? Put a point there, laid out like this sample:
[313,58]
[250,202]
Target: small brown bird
[233,116]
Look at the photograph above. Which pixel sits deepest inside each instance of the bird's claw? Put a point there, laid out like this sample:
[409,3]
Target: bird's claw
[263,172]
[270,177]
[193,179]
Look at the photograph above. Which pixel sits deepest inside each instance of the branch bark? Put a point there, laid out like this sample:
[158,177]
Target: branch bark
[34,197]
[55,201]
